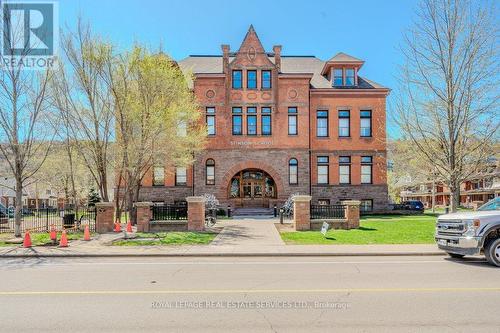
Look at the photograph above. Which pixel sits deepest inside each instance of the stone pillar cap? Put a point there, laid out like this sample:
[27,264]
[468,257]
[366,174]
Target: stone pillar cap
[302,198]
[143,204]
[104,204]
[195,199]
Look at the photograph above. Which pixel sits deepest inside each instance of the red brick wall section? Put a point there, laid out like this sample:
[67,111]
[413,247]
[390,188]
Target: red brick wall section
[352,213]
[143,215]
[302,212]
[196,213]
[105,217]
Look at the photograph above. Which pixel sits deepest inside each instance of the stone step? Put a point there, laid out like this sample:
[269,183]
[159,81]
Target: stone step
[253,211]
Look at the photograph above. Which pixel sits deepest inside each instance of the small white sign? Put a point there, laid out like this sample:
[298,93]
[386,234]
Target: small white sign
[324,228]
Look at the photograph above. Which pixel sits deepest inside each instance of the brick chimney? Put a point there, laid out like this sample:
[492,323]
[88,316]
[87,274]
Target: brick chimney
[225,57]
[277,56]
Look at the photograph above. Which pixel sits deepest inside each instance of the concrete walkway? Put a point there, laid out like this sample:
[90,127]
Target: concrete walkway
[248,232]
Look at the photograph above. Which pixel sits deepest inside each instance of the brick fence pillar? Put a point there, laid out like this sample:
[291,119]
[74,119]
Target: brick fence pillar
[105,215]
[196,213]
[143,210]
[302,212]
[352,213]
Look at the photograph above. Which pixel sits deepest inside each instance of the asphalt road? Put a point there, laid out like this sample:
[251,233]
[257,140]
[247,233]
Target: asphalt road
[384,294]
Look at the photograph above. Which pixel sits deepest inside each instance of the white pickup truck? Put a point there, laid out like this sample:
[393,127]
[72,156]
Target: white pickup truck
[470,233]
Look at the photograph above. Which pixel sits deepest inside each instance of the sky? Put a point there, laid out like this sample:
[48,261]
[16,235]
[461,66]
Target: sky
[369,30]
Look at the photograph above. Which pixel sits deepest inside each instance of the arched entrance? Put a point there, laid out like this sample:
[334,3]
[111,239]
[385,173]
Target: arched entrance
[252,188]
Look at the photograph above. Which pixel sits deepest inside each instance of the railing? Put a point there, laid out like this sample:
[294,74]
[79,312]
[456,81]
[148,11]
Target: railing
[42,219]
[327,212]
[169,212]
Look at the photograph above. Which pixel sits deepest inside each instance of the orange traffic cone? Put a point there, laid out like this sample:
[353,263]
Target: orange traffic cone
[53,234]
[27,239]
[117,227]
[64,239]
[129,227]
[86,233]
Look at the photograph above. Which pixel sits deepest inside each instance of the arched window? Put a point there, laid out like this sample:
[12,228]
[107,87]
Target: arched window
[293,171]
[210,171]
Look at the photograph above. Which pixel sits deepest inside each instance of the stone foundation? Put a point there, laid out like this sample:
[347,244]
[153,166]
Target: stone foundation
[338,193]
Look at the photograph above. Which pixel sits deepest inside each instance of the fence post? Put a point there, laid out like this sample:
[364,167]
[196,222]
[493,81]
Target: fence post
[143,212]
[302,212]
[352,213]
[105,213]
[196,213]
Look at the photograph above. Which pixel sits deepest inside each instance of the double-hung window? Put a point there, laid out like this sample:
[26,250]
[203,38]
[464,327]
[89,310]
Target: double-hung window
[344,169]
[337,77]
[210,120]
[251,120]
[266,79]
[237,121]
[365,123]
[344,123]
[266,120]
[251,79]
[181,176]
[158,176]
[323,169]
[349,76]
[366,169]
[322,123]
[210,172]
[292,121]
[293,171]
[237,79]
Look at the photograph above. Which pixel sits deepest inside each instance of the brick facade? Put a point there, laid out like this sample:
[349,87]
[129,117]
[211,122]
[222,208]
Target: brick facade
[298,86]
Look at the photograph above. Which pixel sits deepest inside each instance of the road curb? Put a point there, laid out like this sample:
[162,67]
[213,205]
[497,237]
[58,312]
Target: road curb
[201,255]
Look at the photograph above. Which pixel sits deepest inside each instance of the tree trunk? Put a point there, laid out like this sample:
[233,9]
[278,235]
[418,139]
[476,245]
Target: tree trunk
[454,197]
[18,207]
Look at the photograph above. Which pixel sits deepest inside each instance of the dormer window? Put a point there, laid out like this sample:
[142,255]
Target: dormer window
[349,76]
[337,77]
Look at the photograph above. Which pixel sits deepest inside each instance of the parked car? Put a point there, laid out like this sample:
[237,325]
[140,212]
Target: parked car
[471,233]
[413,205]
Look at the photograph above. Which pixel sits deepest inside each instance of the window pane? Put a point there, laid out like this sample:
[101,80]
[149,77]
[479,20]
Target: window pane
[349,77]
[322,127]
[252,109]
[158,176]
[344,127]
[337,77]
[366,205]
[366,159]
[210,175]
[293,174]
[292,125]
[366,174]
[210,109]
[237,130]
[345,174]
[322,159]
[322,174]
[344,114]
[237,79]
[266,125]
[365,127]
[252,79]
[266,79]
[180,176]
[236,109]
[211,125]
[292,109]
[266,109]
[181,128]
[251,125]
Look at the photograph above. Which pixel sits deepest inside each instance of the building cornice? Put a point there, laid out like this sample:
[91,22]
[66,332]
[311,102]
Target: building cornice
[295,76]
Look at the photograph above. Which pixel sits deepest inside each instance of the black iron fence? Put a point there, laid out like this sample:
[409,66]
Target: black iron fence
[327,212]
[169,212]
[42,219]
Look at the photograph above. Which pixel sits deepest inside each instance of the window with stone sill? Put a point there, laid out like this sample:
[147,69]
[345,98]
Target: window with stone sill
[180,176]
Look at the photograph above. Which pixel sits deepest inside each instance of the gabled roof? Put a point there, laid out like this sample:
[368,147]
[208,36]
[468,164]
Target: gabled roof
[342,57]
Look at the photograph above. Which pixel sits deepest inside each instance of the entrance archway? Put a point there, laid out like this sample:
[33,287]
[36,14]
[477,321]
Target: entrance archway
[252,188]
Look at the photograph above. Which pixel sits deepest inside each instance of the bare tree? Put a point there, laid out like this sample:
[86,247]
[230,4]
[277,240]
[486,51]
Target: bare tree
[448,99]
[25,134]
[85,103]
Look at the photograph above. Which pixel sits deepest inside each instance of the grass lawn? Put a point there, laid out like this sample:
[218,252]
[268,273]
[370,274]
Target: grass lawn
[168,238]
[376,229]
[38,239]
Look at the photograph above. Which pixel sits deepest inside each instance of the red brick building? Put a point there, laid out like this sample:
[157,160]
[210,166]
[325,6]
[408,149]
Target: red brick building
[279,125]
